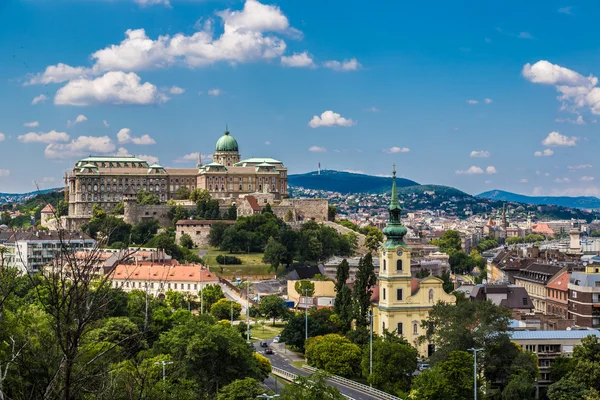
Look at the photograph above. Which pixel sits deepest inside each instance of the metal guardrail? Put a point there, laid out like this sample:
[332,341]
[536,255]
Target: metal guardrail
[355,385]
[290,376]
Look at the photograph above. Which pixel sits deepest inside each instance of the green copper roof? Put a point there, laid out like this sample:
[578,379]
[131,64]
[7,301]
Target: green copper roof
[226,143]
[394,230]
[255,161]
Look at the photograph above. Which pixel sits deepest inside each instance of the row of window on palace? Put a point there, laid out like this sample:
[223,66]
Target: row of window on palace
[107,197]
[260,187]
[400,328]
[119,164]
[160,285]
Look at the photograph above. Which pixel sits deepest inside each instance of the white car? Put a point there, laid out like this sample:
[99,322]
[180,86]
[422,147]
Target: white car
[276,340]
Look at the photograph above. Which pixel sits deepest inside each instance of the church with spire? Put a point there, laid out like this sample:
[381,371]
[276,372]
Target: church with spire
[401,301]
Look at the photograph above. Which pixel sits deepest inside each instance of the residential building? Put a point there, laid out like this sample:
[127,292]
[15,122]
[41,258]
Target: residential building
[584,296]
[33,250]
[534,279]
[548,345]
[513,297]
[401,302]
[104,180]
[557,295]
[158,278]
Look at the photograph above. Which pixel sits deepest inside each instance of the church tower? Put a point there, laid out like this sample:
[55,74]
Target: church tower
[403,301]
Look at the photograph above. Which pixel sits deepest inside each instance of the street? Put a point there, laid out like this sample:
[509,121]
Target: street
[282,362]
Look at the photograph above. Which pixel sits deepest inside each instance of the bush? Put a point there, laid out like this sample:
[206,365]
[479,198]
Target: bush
[221,259]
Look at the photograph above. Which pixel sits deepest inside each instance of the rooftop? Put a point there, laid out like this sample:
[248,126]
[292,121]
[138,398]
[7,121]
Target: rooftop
[571,334]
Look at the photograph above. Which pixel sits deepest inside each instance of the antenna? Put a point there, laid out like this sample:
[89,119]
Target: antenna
[319,169]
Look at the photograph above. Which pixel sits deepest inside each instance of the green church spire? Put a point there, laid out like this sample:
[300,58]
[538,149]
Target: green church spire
[394,231]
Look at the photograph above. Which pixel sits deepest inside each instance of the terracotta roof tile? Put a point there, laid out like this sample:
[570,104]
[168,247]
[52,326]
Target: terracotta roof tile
[163,272]
[253,203]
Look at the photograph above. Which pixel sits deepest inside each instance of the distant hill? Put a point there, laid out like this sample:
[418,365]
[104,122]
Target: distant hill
[346,182]
[23,197]
[439,190]
[585,202]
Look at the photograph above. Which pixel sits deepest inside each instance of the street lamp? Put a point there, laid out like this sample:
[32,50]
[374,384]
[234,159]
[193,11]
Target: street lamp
[474,350]
[248,311]
[164,364]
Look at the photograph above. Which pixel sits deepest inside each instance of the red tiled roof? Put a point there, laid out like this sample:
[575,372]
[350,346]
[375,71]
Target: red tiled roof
[163,272]
[414,286]
[253,203]
[560,281]
[48,209]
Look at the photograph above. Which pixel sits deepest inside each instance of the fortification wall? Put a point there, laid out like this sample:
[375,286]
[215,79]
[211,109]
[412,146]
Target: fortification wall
[307,209]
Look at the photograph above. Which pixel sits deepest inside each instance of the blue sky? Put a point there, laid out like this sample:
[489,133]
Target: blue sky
[476,95]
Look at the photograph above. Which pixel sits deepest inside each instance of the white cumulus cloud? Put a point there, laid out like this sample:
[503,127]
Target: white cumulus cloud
[80,118]
[562,180]
[480,154]
[145,3]
[60,73]
[472,101]
[298,60]
[580,166]
[4,172]
[396,149]
[215,92]
[577,121]
[586,178]
[523,180]
[111,88]
[39,99]
[317,149]
[2,137]
[473,170]
[31,124]
[346,65]
[490,170]
[488,101]
[79,147]
[329,118]
[267,143]
[44,137]
[545,153]
[555,139]
[191,157]
[124,136]
[176,90]
[105,123]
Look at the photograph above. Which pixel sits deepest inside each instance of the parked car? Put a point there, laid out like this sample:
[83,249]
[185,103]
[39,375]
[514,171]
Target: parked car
[269,350]
[276,340]
[423,367]
[264,344]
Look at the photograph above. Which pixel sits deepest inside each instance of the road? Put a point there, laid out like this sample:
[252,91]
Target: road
[284,363]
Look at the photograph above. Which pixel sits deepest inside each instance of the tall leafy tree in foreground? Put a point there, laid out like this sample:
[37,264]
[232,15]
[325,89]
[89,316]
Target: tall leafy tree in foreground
[343,295]
[363,288]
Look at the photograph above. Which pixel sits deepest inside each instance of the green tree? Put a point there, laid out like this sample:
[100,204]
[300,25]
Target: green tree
[448,380]
[312,387]
[320,322]
[393,365]
[186,241]
[215,237]
[331,213]
[275,253]
[305,288]
[343,294]
[273,306]
[62,208]
[145,198]
[232,213]
[118,209]
[144,231]
[235,240]
[334,354]
[372,243]
[198,195]
[449,243]
[241,389]
[363,288]
[211,294]
[289,216]
[520,386]
[224,309]
[183,193]
[178,213]
[567,389]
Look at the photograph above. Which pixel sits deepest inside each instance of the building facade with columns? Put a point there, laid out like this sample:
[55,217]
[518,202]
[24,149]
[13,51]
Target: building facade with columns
[104,180]
[401,301]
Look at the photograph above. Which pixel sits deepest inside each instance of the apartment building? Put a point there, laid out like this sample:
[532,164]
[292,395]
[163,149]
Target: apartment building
[534,279]
[584,296]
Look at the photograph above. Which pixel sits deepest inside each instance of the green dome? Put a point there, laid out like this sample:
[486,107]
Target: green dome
[226,143]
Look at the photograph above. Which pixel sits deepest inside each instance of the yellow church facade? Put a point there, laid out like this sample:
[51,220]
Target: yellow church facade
[403,302]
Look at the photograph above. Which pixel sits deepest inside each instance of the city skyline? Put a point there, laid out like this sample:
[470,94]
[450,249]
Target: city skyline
[478,98]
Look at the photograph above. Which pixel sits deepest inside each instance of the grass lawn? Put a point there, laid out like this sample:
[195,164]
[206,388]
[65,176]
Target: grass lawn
[251,263]
[266,331]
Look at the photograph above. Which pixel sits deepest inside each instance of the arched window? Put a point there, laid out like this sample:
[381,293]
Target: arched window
[415,328]
[399,266]
[431,295]
[384,265]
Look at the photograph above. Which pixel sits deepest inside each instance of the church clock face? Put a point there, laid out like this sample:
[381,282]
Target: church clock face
[399,252]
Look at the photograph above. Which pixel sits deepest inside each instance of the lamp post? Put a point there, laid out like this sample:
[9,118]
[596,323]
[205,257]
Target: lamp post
[306,319]
[248,311]
[474,350]
[164,365]
[371,346]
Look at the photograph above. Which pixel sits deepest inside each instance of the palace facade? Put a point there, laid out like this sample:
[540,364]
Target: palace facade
[400,301]
[103,180]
